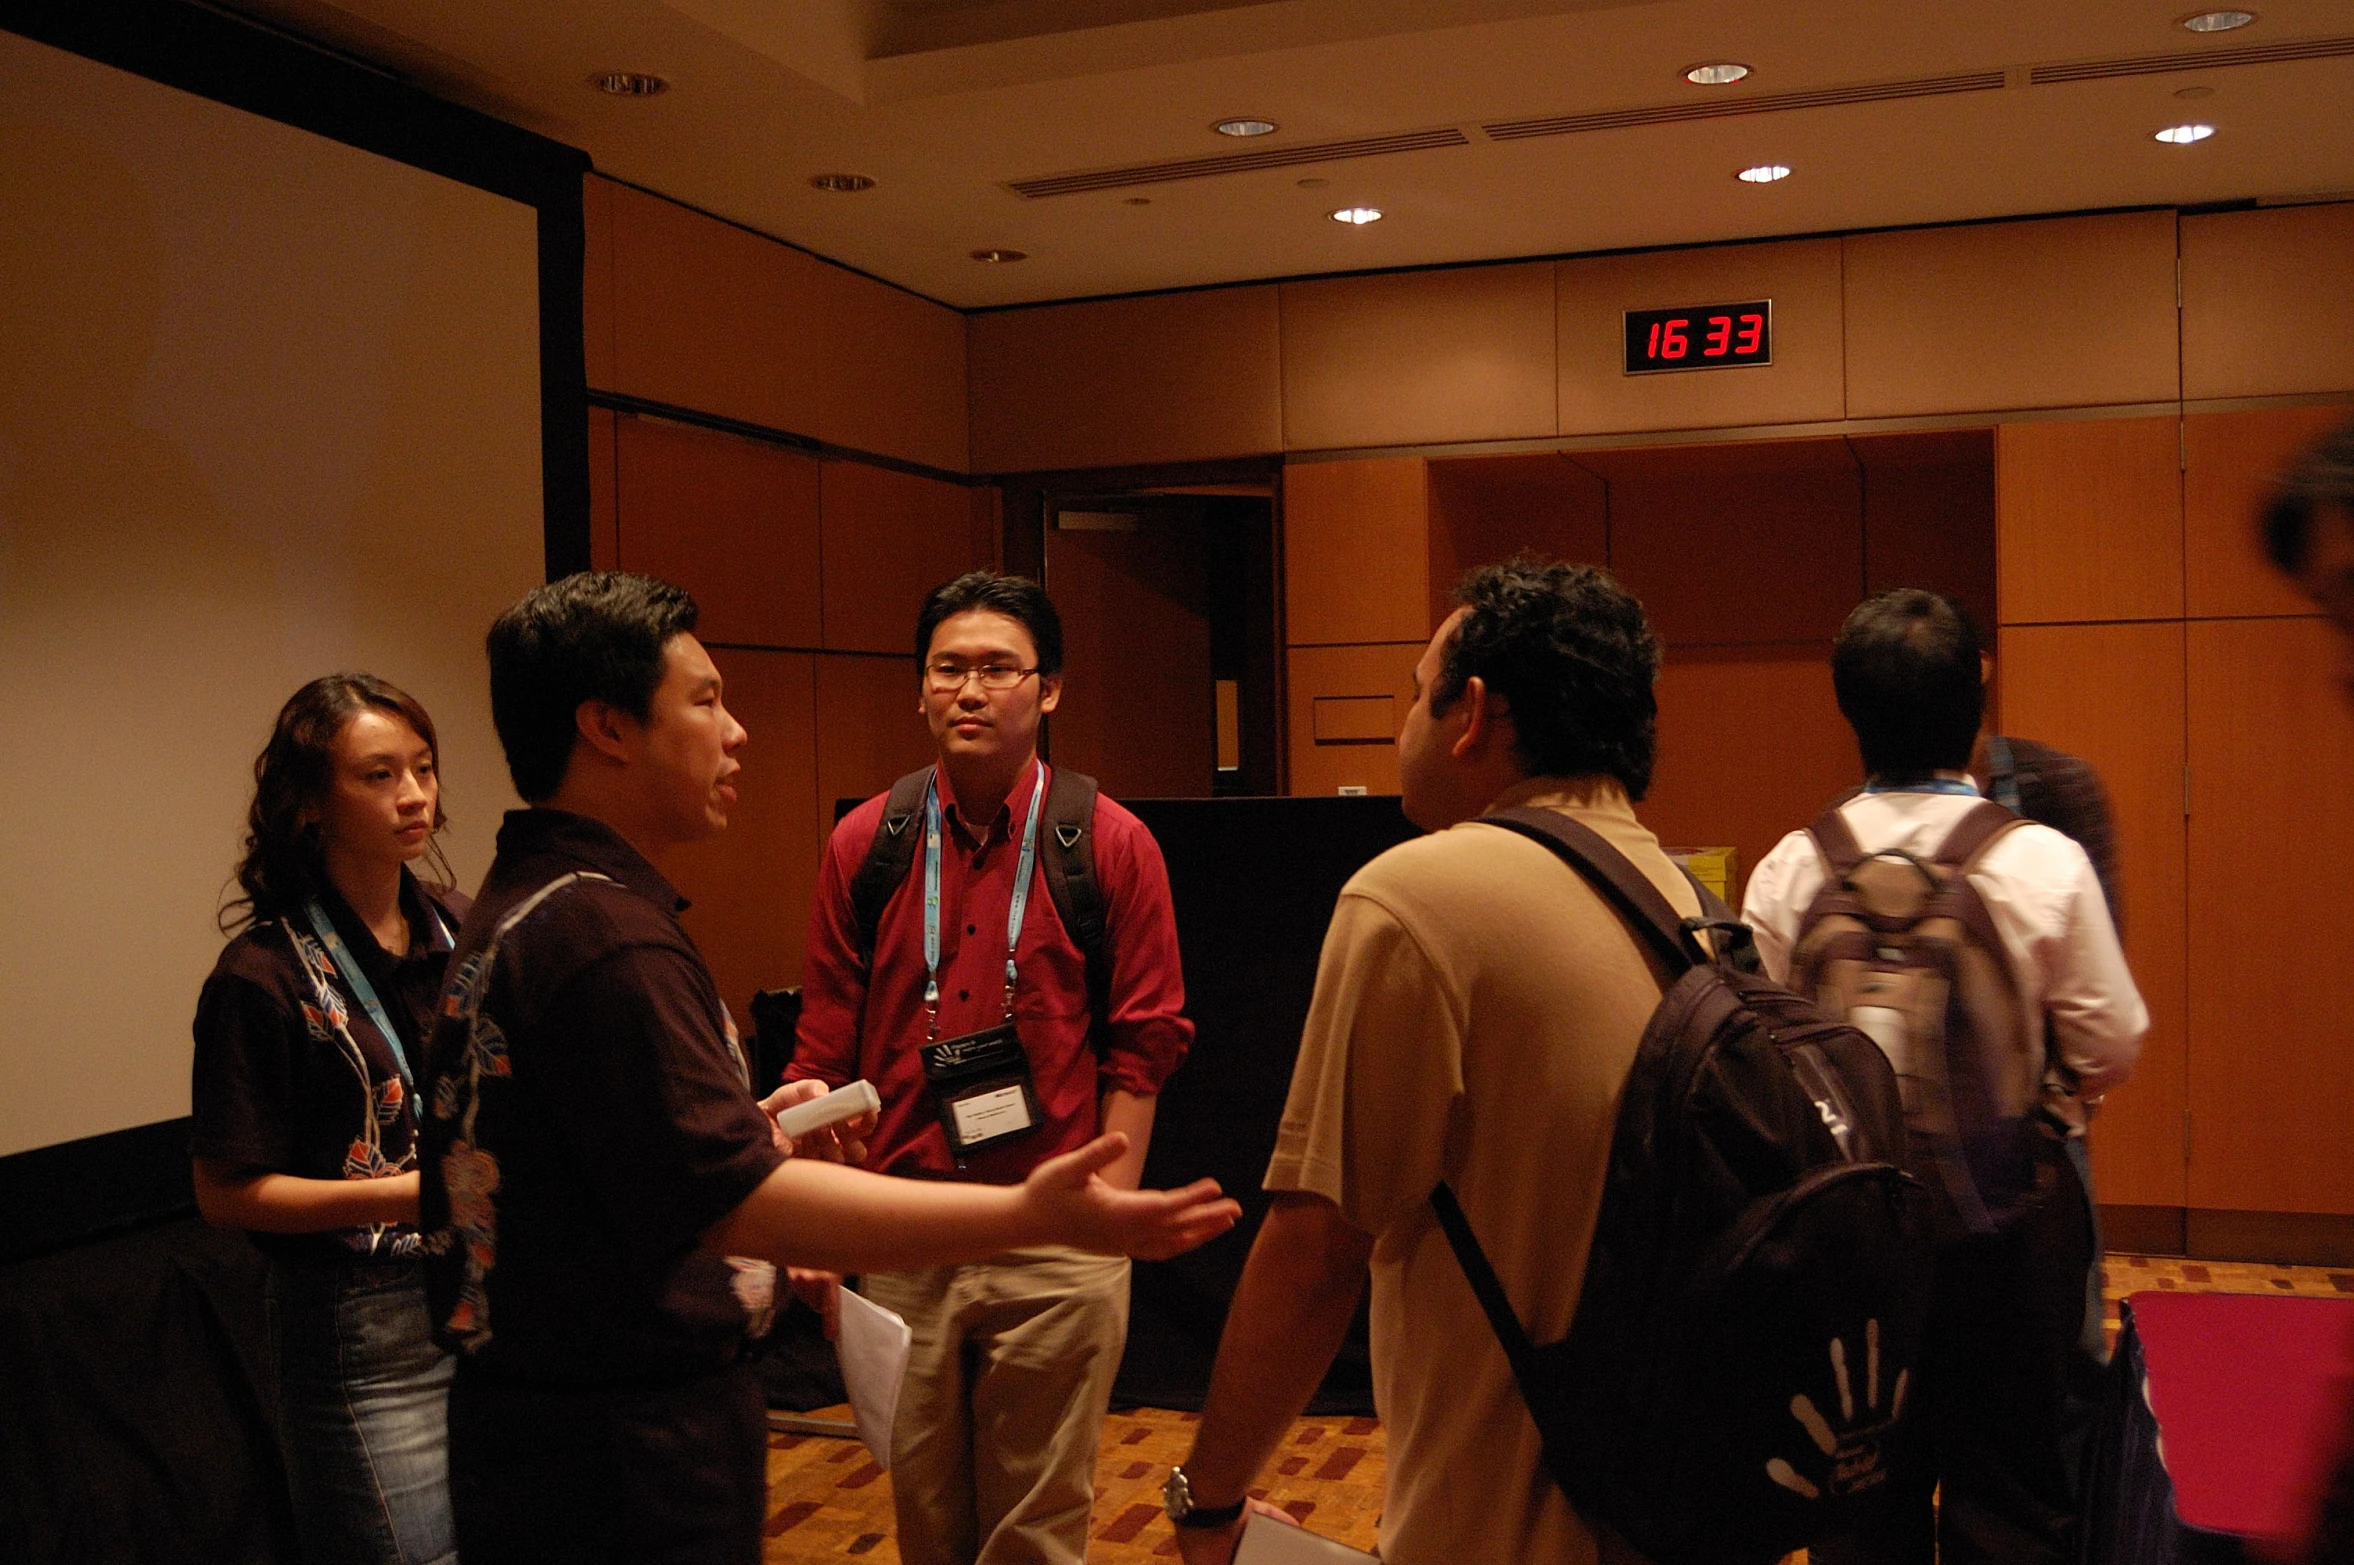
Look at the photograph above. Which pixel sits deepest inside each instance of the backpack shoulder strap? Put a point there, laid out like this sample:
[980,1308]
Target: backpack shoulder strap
[1835,841]
[1609,872]
[888,858]
[1973,834]
[1513,1337]
[1071,881]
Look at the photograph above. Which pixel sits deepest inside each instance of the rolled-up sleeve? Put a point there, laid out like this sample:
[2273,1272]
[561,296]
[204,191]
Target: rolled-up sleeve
[1146,1031]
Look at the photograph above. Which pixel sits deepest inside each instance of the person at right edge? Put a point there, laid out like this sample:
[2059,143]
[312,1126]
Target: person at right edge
[961,936]
[2308,531]
[2004,1399]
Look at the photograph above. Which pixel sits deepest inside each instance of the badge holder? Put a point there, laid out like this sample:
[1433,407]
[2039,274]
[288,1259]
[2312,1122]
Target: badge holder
[982,1083]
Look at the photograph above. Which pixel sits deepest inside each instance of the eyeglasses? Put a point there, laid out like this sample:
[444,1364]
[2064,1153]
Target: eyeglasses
[945,677]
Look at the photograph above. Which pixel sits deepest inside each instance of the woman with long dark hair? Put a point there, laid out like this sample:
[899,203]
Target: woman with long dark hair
[310,1035]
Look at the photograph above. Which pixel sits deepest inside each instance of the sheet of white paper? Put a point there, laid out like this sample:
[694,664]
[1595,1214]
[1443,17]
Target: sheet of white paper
[1267,1542]
[873,1349]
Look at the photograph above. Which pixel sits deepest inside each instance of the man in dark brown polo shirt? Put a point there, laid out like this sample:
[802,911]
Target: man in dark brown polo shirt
[593,1155]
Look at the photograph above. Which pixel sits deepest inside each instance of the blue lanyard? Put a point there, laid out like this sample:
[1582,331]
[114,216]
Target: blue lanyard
[362,990]
[1952,785]
[1015,912]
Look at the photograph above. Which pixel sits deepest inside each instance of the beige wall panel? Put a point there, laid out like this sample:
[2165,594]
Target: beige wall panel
[2271,1081]
[1806,381]
[1170,378]
[710,317]
[1356,551]
[733,521]
[2113,694]
[2088,520]
[889,539]
[751,886]
[1751,746]
[1318,675]
[870,731]
[604,496]
[596,282]
[2268,302]
[1418,357]
[892,378]
[2073,312]
[2229,461]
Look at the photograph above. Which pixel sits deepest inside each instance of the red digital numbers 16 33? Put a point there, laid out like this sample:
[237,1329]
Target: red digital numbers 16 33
[1700,337]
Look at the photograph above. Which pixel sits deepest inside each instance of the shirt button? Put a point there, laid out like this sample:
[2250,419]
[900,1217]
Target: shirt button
[970,930]
[964,994]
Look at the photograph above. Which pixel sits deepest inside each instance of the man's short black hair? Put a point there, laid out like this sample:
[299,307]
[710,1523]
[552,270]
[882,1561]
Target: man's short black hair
[596,636]
[1018,598]
[2321,475]
[1568,650]
[1906,671]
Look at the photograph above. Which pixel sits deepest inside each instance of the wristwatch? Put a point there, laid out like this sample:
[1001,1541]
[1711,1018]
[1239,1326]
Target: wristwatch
[1177,1500]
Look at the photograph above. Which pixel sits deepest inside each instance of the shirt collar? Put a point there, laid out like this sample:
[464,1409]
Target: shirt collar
[1002,821]
[1577,795]
[427,937]
[590,844]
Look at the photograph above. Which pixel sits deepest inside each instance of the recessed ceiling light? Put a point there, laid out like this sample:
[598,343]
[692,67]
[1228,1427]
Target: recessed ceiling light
[1717,73]
[841,184]
[1001,256]
[2184,135]
[2218,21]
[1245,126]
[1357,216]
[629,84]
[1763,173]
[2194,92]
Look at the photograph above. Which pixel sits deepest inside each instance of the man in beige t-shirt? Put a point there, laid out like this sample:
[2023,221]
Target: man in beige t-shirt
[1477,1009]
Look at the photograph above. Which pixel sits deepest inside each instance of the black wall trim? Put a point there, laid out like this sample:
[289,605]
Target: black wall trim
[264,72]
[766,434]
[76,1191]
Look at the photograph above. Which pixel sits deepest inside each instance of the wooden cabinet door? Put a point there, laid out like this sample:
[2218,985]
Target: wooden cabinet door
[2271,1072]
[2113,694]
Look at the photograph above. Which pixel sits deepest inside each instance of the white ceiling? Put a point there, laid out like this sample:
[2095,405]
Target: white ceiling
[944,102]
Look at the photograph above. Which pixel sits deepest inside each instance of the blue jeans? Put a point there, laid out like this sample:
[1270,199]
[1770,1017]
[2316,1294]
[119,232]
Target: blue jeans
[363,1414]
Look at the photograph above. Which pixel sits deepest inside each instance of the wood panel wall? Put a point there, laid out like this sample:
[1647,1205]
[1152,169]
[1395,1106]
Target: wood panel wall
[2144,632]
[808,574]
[692,312]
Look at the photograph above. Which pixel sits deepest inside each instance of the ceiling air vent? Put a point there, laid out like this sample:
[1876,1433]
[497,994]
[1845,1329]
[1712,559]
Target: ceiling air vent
[1238,162]
[2201,60]
[1761,103]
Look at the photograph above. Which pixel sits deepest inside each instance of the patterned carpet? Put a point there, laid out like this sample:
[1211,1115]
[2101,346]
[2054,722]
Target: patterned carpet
[827,1500]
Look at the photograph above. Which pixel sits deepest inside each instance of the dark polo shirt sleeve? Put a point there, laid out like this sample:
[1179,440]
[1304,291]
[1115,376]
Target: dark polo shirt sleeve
[244,1080]
[647,1089]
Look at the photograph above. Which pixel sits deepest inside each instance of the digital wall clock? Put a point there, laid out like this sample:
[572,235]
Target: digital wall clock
[1700,337]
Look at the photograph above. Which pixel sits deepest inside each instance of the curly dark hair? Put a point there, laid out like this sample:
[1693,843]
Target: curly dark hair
[1906,671]
[592,636]
[282,864]
[1018,598]
[1569,651]
[2321,475]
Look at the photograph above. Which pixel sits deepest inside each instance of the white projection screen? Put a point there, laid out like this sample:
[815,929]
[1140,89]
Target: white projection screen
[269,407]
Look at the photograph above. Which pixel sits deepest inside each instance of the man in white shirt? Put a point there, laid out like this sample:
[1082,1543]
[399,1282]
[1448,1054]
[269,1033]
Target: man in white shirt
[2002,1403]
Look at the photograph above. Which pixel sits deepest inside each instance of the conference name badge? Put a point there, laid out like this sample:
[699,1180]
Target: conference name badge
[983,1085]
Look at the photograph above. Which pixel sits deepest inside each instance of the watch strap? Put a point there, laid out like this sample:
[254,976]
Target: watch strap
[1211,1515]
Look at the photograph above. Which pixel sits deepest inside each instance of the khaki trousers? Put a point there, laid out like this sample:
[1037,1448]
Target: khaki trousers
[993,1454]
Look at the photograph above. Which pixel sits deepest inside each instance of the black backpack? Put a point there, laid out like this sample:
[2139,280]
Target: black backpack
[1066,850]
[1750,1318]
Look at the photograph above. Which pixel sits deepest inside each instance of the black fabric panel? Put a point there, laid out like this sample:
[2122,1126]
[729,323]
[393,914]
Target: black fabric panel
[75,1191]
[134,1405]
[1254,882]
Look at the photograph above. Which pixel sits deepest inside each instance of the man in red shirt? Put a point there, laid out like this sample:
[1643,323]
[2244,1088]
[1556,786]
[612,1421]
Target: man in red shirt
[994,1453]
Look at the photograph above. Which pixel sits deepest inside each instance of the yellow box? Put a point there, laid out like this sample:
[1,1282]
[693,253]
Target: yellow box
[1712,867]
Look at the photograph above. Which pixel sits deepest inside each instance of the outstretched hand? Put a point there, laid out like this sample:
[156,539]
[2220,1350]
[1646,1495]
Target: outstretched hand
[1080,1209]
[842,1143]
